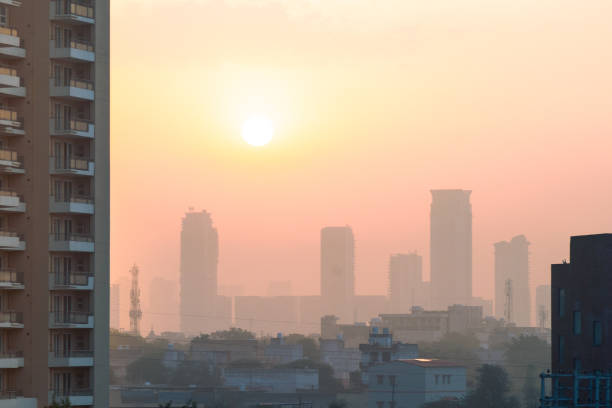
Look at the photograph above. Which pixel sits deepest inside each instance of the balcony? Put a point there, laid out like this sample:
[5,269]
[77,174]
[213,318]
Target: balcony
[73,320]
[10,125]
[69,242]
[11,241]
[71,205]
[11,360]
[10,162]
[11,279]
[71,166]
[10,82]
[71,128]
[77,50]
[71,11]
[71,281]
[11,320]
[77,397]
[10,43]
[72,89]
[16,3]
[71,358]
[10,202]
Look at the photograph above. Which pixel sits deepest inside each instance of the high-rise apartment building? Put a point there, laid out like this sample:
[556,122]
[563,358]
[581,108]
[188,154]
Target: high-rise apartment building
[115,306]
[582,308]
[338,272]
[542,305]
[451,248]
[405,281]
[54,202]
[198,270]
[512,296]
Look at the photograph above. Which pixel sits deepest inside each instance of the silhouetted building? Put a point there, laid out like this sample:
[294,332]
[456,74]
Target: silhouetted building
[337,272]
[279,352]
[222,352]
[486,304]
[310,312]
[582,306]
[352,334]
[342,359]
[381,348]
[367,307]
[512,296]
[542,305]
[451,248]
[267,315]
[405,279]
[198,281]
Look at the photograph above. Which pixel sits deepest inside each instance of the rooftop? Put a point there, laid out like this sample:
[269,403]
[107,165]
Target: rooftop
[427,362]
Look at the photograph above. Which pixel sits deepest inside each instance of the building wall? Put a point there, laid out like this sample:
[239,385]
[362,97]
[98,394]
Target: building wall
[343,360]
[405,278]
[582,306]
[451,248]
[198,273]
[338,272]
[463,319]
[512,262]
[272,380]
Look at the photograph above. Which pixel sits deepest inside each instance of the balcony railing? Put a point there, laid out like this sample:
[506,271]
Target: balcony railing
[74,7]
[69,317]
[11,354]
[8,234]
[72,353]
[10,276]
[77,199]
[7,193]
[71,236]
[10,71]
[82,84]
[62,163]
[9,31]
[6,114]
[8,394]
[11,317]
[71,392]
[72,278]
[9,155]
[82,45]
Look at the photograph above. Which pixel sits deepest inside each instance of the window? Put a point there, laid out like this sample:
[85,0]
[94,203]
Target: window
[437,379]
[386,356]
[373,356]
[380,379]
[577,322]
[597,335]
[561,302]
[560,350]
[3,16]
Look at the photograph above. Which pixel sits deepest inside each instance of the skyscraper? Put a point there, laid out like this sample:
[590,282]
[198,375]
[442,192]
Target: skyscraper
[451,248]
[543,306]
[198,269]
[512,281]
[405,281]
[338,272]
[54,202]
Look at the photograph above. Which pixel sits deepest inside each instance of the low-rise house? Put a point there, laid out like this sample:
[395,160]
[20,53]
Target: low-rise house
[283,380]
[278,352]
[412,383]
[222,352]
[381,349]
[343,360]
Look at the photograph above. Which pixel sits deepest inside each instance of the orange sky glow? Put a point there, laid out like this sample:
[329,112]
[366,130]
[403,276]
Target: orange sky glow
[373,107]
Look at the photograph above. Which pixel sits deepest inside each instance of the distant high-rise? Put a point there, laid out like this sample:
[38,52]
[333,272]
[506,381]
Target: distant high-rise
[198,270]
[162,305]
[338,272]
[405,280]
[451,248]
[543,306]
[115,306]
[512,271]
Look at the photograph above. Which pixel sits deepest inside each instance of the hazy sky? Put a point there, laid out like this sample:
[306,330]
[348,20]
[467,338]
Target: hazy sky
[375,103]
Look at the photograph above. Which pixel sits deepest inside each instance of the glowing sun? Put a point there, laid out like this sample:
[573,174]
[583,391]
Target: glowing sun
[257,130]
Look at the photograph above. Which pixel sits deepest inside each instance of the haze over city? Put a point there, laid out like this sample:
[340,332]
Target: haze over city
[368,118]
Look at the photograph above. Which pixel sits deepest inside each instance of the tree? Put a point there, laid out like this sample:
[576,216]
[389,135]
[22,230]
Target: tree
[147,369]
[355,380]
[492,389]
[199,373]
[530,390]
[246,363]
[526,357]
[310,347]
[65,403]
[327,381]
[232,334]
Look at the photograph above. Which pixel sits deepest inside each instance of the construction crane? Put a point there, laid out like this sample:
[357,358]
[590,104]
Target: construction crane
[135,311]
[508,306]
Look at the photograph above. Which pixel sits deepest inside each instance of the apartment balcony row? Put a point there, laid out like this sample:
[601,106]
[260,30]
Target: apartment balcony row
[11,162]
[71,281]
[69,319]
[11,241]
[75,50]
[71,242]
[11,320]
[71,205]
[77,397]
[10,43]
[11,360]
[11,82]
[14,399]
[10,123]
[11,202]
[16,3]
[11,279]
[71,358]
[71,128]
[71,11]
[71,166]
[80,89]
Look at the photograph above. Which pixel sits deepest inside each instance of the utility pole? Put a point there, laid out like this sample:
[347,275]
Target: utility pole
[135,311]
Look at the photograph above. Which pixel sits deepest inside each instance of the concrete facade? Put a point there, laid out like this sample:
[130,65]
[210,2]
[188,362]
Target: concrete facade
[283,380]
[582,306]
[451,248]
[512,265]
[338,272]
[343,360]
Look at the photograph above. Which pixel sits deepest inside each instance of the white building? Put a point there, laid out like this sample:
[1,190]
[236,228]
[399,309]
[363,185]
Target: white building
[412,383]
[281,380]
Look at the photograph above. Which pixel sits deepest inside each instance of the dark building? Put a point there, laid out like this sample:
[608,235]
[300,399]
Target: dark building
[582,306]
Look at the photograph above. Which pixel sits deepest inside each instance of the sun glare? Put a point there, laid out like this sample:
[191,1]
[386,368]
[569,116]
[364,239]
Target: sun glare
[258,130]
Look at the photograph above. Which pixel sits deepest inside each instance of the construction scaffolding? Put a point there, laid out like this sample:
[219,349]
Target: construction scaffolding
[575,390]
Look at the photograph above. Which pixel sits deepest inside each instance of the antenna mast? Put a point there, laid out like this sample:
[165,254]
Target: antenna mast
[135,312]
